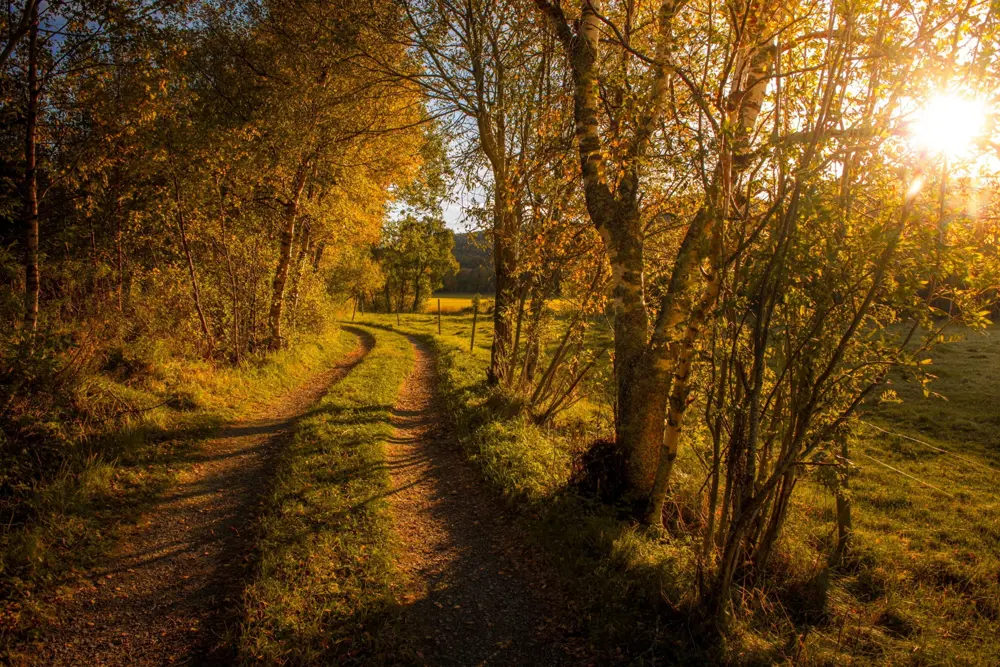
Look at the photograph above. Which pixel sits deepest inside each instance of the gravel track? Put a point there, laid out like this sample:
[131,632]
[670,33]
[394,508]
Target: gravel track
[172,589]
[474,593]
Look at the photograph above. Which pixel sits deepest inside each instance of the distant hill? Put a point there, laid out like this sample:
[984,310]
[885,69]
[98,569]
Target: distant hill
[474,254]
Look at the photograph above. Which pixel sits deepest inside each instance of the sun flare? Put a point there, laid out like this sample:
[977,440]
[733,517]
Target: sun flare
[948,124]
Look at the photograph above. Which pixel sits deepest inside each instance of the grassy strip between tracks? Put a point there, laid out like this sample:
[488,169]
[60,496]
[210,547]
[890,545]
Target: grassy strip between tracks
[325,578]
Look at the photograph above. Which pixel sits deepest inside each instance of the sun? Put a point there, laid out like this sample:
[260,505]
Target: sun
[948,124]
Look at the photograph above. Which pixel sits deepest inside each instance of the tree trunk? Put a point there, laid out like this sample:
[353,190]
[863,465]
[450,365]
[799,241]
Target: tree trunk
[416,290]
[318,256]
[845,525]
[642,383]
[516,341]
[27,22]
[252,338]
[677,406]
[642,367]
[720,596]
[715,419]
[285,258]
[401,298]
[713,492]
[475,319]
[30,193]
[681,384]
[121,265]
[504,263]
[195,292]
[233,282]
[305,244]
[745,104]
[777,519]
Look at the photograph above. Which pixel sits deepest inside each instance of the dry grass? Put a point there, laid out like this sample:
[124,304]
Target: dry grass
[450,303]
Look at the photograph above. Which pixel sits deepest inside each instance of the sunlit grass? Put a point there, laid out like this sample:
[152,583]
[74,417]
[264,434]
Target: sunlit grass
[454,303]
[451,303]
[923,584]
[327,568]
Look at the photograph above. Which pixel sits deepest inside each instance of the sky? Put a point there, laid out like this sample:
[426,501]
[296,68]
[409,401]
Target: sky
[458,201]
[453,216]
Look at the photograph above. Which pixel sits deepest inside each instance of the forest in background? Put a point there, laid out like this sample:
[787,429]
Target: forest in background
[475,266]
[725,230]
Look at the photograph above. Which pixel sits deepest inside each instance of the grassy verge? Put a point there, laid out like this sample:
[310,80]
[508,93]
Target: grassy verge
[325,575]
[522,461]
[108,477]
[921,587]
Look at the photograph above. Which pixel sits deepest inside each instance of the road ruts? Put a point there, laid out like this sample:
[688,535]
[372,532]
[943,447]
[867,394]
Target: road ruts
[474,593]
[173,586]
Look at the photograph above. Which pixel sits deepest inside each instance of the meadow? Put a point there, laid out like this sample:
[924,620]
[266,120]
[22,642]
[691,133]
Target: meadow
[451,303]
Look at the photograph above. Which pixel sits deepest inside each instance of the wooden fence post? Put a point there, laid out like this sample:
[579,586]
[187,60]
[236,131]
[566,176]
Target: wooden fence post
[475,316]
[439,317]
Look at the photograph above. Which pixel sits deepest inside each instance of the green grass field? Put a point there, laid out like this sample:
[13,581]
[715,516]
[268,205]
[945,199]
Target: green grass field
[923,586]
[451,303]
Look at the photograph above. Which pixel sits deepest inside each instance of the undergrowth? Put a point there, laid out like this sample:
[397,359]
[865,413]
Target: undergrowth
[325,578]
